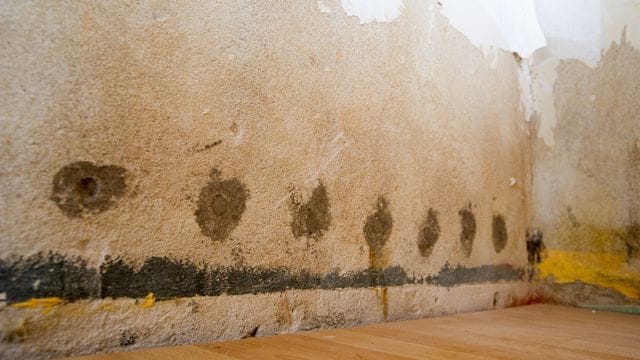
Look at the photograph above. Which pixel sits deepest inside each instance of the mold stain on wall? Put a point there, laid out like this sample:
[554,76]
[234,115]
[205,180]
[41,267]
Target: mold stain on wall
[83,188]
[429,233]
[377,231]
[499,233]
[535,248]
[468,229]
[221,204]
[312,218]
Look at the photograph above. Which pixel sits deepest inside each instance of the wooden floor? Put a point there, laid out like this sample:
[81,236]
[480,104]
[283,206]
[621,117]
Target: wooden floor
[530,332]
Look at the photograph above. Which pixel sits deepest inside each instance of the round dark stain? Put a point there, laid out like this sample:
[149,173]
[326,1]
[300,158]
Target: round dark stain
[468,232]
[499,232]
[311,219]
[377,228]
[220,207]
[84,188]
[429,233]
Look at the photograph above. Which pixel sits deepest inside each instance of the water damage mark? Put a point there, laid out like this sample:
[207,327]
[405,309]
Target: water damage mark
[535,247]
[377,228]
[84,188]
[499,233]
[311,219]
[468,232]
[429,233]
[220,206]
[69,278]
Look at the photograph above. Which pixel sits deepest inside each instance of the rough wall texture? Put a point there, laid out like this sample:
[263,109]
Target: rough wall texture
[587,186]
[186,172]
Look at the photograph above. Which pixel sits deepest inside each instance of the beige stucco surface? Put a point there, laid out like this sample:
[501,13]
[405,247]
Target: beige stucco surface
[282,98]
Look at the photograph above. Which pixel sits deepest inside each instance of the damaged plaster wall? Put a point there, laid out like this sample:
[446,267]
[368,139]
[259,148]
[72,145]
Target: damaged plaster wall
[585,89]
[178,173]
[579,86]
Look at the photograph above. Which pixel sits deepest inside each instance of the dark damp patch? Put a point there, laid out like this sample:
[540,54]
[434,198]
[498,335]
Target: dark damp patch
[450,276]
[311,219]
[220,206]
[163,277]
[535,247]
[47,275]
[377,228]
[468,231]
[84,188]
[252,333]
[70,279]
[499,233]
[429,233]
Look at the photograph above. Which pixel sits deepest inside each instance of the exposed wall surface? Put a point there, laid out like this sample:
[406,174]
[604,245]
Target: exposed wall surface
[586,157]
[189,172]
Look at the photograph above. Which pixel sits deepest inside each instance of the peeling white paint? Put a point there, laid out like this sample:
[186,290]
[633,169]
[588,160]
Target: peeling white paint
[507,24]
[369,11]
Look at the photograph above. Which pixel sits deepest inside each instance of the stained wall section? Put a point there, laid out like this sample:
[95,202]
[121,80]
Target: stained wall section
[178,173]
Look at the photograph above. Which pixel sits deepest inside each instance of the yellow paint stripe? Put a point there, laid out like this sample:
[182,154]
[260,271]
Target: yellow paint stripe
[38,302]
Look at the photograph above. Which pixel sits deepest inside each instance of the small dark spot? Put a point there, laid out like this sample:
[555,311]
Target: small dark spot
[128,338]
[495,299]
[499,233]
[84,188]
[220,206]
[252,333]
[535,247]
[517,56]
[429,233]
[311,219]
[208,146]
[572,217]
[215,143]
[377,228]
[468,232]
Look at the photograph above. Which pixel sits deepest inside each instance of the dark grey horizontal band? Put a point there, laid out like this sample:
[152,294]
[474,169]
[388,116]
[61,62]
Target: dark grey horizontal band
[69,278]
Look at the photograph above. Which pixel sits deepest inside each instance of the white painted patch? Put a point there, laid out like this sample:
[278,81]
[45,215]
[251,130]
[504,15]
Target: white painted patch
[572,29]
[511,25]
[369,11]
